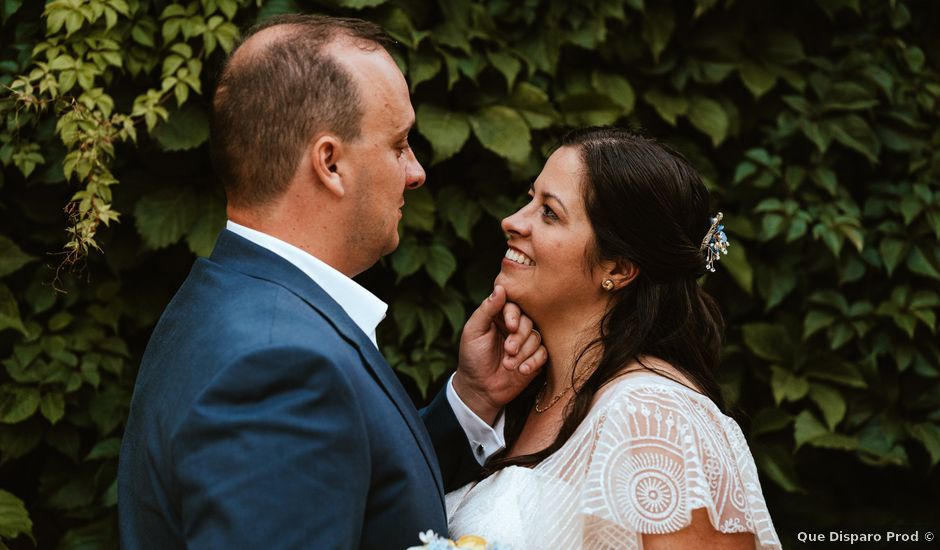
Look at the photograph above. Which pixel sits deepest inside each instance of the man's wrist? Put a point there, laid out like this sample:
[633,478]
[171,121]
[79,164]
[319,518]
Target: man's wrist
[475,401]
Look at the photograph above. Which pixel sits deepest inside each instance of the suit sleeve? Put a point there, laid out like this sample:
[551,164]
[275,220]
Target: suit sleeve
[458,465]
[275,450]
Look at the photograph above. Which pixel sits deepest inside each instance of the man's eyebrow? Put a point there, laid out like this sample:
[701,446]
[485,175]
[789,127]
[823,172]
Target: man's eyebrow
[407,130]
[547,195]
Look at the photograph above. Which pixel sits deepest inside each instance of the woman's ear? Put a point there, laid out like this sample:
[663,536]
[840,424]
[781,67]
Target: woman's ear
[622,273]
[324,155]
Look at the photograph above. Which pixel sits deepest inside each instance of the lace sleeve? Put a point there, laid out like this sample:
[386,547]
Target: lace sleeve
[657,453]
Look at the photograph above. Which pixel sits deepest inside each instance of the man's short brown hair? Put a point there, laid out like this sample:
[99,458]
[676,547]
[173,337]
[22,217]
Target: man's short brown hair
[271,101]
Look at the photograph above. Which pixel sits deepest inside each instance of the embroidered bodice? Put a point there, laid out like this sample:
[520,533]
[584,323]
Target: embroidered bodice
[648,453]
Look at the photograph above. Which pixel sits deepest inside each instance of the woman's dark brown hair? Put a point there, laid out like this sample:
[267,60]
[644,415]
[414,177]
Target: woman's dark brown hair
[647,206]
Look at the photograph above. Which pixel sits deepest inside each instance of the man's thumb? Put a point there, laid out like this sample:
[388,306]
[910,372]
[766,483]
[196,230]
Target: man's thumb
[479,323]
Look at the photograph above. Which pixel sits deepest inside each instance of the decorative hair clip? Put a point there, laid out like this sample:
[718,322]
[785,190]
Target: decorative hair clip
[715,243]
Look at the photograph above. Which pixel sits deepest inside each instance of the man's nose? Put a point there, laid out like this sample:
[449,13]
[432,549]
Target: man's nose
[415,175]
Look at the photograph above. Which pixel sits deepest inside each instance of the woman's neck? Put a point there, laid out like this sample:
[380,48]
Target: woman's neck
[565,337]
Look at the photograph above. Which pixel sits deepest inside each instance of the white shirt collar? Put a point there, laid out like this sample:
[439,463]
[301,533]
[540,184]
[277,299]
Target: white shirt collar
[363,307]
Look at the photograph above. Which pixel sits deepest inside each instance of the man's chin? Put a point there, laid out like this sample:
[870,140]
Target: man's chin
[392,245]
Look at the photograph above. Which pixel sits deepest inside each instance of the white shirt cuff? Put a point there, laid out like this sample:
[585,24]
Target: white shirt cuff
[485,440]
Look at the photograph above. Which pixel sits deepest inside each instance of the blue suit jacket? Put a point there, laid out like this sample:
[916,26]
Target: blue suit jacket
[263,417]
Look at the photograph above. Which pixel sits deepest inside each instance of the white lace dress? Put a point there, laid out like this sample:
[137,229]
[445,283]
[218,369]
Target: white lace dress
[648,453]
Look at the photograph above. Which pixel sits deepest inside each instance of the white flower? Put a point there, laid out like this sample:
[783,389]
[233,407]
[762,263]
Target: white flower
[428,536]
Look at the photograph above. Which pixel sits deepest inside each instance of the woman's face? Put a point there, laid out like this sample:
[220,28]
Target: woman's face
[546,268]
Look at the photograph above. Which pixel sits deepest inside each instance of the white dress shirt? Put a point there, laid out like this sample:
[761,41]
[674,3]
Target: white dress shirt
[367,311]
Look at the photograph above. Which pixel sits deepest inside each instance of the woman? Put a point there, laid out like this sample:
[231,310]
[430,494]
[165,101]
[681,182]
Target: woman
[622,443]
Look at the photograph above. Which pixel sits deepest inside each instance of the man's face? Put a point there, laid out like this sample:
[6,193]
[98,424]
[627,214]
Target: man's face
[381,163]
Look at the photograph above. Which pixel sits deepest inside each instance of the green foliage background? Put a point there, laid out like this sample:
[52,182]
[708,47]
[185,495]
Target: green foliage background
[814,122]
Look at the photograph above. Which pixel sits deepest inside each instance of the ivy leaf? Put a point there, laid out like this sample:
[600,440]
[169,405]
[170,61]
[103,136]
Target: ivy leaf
[459,209]
[452,306]
[668,106]
[756,78]
[767,341]
[853,132]
[589,109]
[211,222]
[12,257]
[9,311]
[922,262]
[14,519]
[658,24]
[503,131]
[423,65]
[447,131]
[534,105]
[769,419]
[839,371]
[815,321]
[52,406]
[408,258]
[361,4]
[835,441]
[431,320]
[17,403]
[735,262]
[396,22]
[107,448]
[775,284]
[777,463]
[708,116]
[276,7]
[187,128]
[617,88]
[507,64]
[18,439]
[75,493]
[830,402]
[782,47]
[787,386]
[162,218]
[419,209]
[440,264]
[807,427]
[892,250]
[929,435]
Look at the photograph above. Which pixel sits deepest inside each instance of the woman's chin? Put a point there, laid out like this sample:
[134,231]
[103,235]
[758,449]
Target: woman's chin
[504,280]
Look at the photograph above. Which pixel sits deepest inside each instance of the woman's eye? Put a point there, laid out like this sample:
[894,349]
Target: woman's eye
[548,212]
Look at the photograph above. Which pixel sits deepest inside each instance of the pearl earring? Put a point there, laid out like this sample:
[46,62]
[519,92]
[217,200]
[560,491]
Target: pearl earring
[607,285]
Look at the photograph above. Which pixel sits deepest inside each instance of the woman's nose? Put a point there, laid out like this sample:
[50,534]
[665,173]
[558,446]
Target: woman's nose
[515,224]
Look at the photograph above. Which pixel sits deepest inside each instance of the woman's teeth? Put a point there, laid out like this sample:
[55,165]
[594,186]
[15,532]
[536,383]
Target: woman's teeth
[518,257]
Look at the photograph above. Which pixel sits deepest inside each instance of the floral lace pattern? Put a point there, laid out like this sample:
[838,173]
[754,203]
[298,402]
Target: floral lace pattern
[649,452]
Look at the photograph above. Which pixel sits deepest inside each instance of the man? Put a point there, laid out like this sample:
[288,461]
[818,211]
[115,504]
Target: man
[264,414]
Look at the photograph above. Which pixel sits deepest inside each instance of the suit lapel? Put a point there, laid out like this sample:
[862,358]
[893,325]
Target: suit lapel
[244,256]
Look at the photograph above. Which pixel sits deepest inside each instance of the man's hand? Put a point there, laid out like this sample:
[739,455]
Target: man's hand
[500,353]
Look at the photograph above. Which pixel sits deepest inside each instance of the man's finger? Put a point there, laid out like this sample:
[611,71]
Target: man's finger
[534,363]
[529,347]
[517,338]
[511,316]
[482,319]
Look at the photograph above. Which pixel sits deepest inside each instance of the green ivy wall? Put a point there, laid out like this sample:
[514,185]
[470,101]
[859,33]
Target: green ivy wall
[815,124]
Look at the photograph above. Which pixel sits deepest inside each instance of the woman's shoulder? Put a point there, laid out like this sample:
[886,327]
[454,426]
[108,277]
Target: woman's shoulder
[662,396]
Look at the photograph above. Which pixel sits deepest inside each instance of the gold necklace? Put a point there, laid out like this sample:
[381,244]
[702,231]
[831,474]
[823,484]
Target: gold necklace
[538,398]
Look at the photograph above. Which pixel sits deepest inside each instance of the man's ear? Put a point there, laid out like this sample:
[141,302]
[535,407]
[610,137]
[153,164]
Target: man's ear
[325,153]
[622,273]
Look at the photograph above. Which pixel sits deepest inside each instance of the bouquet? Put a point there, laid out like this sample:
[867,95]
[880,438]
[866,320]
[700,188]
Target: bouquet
[433,541]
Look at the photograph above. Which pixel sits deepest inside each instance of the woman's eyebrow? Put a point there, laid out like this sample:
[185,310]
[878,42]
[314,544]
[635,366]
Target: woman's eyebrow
[547,195]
